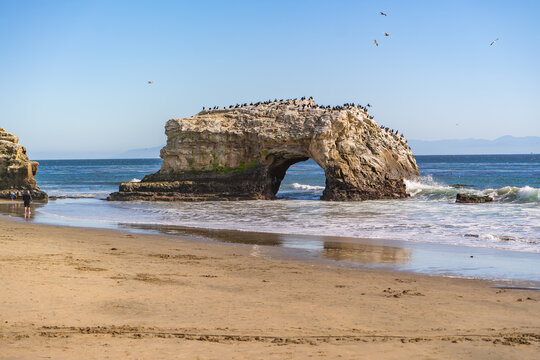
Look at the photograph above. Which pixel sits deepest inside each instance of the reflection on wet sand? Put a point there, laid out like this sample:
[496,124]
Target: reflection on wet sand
[327,247]
[365,253]
[16,208]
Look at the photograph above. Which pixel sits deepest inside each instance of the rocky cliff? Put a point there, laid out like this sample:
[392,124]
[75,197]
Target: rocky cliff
[244,151]
[16,170]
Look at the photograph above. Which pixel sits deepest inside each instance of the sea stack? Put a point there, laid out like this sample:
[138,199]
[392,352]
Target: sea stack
[243,152]
[16,170]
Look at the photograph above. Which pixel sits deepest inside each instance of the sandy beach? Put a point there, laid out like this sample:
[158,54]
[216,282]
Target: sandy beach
[103,294]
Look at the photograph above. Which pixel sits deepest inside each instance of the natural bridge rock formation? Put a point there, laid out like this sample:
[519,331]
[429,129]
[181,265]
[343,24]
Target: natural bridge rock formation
[16,171]
[243,153]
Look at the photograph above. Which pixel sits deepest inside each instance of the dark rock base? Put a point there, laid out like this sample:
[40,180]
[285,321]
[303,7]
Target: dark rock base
[389,189]
[259,183]
[472,199]
[37,194]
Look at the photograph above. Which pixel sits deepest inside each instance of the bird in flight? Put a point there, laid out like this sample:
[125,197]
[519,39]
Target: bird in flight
[387,34]
[150,82]
[494,41]
[368,105]
[376,43]
[383,14]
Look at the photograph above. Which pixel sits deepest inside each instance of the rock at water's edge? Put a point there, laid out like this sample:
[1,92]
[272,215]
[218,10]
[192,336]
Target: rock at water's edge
[243,153]
[472,199]
[16,170]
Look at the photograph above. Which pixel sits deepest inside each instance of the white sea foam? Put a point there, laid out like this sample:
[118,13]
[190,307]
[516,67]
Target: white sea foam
[305,187]
[500,225]
[426,185]
[135,180]
[427,188]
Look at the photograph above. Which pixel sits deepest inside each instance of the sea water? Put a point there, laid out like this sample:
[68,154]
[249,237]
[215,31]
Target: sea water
[511,223]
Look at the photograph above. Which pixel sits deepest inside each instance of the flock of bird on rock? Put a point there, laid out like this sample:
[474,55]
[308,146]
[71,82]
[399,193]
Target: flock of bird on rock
[294,102]
[394,133]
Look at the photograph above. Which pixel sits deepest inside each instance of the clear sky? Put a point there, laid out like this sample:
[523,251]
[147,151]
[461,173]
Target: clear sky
[74,73]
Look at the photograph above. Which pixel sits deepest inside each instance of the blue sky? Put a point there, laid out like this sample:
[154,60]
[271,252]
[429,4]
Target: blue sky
[74,73]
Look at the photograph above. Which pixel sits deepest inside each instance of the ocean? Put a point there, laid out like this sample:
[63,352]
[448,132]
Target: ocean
[429,222]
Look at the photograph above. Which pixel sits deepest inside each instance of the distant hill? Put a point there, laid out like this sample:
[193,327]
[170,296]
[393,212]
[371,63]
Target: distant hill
[143,153]
[152,152]
[503,145]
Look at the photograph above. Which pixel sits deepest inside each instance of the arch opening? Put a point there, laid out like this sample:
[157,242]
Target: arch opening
[302,179]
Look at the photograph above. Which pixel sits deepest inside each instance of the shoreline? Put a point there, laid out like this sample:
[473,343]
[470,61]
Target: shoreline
[512,267]
[112,293]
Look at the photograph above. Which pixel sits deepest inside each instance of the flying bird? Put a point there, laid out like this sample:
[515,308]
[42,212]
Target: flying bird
[368,105]
[150,82]
[387,34]
[494,41]
[383,14]
[376,43]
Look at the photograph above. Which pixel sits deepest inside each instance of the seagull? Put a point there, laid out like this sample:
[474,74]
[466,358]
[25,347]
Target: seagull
[383,14]
[376,43]
[150,82]
[494,41]
[387,34]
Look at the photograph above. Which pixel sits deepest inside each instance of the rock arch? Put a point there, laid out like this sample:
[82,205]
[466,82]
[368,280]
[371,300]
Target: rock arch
[244,153]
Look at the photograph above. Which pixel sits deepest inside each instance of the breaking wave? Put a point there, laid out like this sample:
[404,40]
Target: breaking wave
[429,189]
[304,187]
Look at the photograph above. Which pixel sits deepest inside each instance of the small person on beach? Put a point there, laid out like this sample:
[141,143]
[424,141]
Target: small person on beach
[12,196]
[27,199]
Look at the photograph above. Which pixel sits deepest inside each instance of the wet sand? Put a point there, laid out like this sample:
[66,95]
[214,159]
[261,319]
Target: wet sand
[513,268]
[74,292]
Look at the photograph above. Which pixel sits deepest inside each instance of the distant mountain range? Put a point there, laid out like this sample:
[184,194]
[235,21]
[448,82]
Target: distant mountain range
[144,153]
[503,145]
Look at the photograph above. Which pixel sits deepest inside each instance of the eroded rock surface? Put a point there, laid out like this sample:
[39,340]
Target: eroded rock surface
[16,170]
[472,199]
[243,153]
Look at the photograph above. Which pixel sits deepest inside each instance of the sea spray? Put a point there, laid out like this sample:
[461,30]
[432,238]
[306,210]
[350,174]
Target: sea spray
[429,189]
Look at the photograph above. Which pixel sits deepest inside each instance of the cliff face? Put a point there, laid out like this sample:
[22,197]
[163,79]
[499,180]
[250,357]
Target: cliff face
[244,152]
[16,170]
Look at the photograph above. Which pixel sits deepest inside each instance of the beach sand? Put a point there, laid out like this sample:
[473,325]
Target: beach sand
[69,293]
